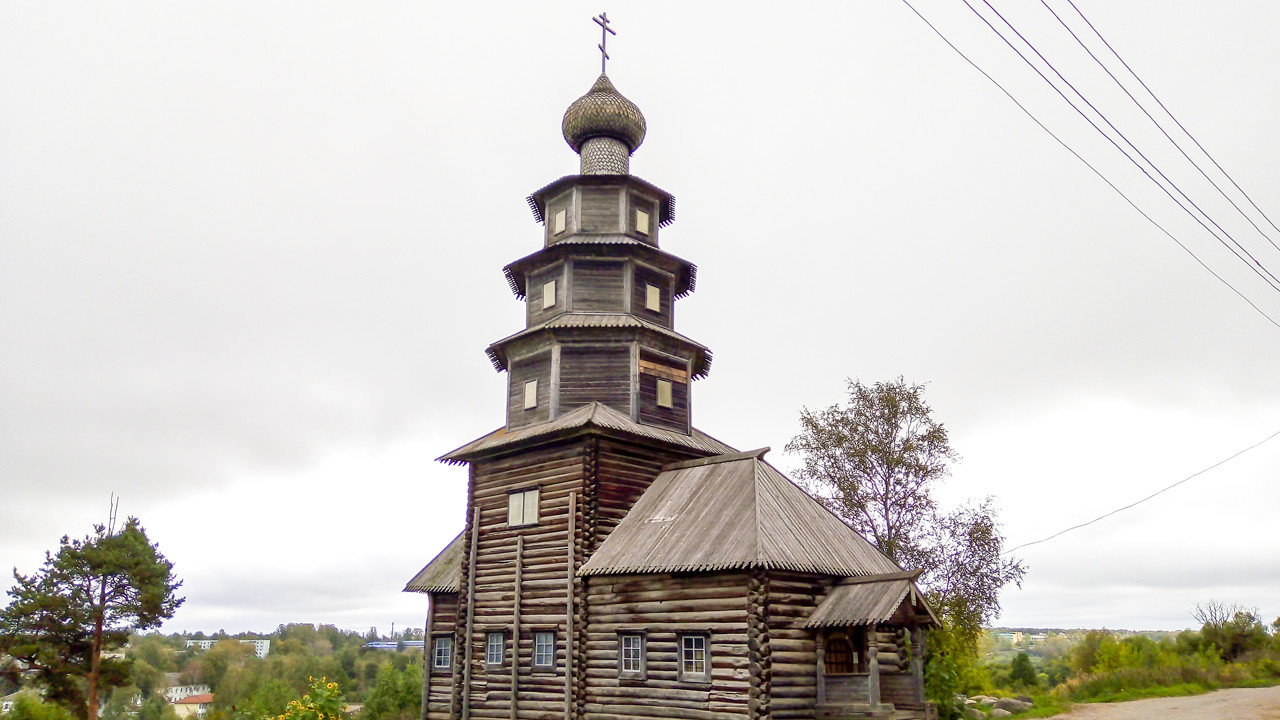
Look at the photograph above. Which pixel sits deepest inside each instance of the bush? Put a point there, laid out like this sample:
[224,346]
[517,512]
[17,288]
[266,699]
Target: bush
[30,707]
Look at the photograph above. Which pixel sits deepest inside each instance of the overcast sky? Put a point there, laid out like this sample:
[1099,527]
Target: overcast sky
[252,251]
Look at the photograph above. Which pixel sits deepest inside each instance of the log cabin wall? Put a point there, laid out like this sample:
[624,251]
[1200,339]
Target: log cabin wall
[662,607]
[443,620]
[535,368]
[536,310]
[601,209]
[792,597]
[556,471]
[643,276]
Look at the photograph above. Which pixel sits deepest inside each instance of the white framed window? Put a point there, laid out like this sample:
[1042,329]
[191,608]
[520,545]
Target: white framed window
[558,222]
[653,298]
[544,649]
[549,294]
[695,664]
[664,393]
[631,663]
[642,222]
[442,652]
[531,394]
[495,648]
[522,508]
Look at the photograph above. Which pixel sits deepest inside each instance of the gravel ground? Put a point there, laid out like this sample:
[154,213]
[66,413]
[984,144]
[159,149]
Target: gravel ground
[1233,704]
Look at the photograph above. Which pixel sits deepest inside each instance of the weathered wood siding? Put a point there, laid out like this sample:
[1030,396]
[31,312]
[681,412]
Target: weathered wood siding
[563,201]
[664,606]
[645,276]
[534,312]
[557,471]
[640,202]
[625,472]
[601,209]
[443,619]
[675,417]
[598,285]
[536,367]
[595,372]
[792,597]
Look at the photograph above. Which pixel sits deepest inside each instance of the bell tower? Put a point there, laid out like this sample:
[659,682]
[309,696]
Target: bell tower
[600,295]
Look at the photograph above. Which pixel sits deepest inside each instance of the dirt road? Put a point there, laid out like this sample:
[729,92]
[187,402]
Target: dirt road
[1233,704]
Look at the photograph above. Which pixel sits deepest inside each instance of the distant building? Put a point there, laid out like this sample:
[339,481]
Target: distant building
[197,705]
[261,648]
[180,692]
[1014,637]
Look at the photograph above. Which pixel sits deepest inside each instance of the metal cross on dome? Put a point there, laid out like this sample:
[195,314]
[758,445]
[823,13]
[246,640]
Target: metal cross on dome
[605,32]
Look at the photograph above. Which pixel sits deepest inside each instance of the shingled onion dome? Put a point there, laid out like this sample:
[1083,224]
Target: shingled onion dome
[604,128]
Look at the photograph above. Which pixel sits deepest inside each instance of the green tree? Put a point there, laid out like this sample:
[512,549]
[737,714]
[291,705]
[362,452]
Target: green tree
[85,599]
[396,695]
[1234,630]
[1021,670]
[875,461]
[29,706]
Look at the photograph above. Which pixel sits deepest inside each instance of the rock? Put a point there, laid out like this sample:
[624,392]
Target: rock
[1001,713]
[1024,698]
[974,713]
[970,702]
[986,700]
[1012,705]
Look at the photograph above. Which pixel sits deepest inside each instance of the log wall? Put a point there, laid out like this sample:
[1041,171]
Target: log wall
[663,606]
[438,684]
[792,597]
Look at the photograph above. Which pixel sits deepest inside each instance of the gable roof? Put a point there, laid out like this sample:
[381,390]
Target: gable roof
[443,573]
[195,699]
[592,415]
[730,512]
[870,601]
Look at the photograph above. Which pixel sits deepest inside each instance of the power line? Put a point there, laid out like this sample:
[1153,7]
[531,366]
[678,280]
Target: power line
[1155,122]
[1087,164]
[1139,502]
[1177,122]
[1273,282]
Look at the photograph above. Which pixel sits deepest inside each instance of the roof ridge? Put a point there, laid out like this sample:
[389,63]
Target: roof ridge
[758,454]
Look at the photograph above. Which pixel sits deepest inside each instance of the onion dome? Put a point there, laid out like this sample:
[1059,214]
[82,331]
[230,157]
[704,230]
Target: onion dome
[603,112]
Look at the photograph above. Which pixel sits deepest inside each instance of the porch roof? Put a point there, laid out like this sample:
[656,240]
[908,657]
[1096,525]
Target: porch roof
[872,600]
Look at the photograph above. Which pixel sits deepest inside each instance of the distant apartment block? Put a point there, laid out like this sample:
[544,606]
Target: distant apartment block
[181,692]
[261,648]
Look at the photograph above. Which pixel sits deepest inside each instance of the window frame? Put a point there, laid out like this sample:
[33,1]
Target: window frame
[641,671]
[531,394]
[690,676]
[539,634]
[549,294]
[501,637]
[436,643]
[558,221]
[652,297]
[525,494]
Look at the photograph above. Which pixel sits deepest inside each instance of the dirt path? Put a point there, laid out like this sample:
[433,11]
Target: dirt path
[1233,704]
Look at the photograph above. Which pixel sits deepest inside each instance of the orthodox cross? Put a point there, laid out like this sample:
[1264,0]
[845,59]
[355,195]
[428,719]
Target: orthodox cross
[605,32]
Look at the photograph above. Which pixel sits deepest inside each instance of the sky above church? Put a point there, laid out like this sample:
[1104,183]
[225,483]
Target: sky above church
[250,258]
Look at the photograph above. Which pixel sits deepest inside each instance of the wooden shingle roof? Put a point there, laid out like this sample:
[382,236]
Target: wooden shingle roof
[611,320]
[443,573]
[730,512]
[592,415]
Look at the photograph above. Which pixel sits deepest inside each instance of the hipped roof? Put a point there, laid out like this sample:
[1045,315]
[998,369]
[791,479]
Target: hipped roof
[871,601]
[611,320]
[730,512]
[592,415]
[443,573]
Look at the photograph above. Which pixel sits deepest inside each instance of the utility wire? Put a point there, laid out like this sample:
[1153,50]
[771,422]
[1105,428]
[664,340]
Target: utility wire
[1095,170]
[1175,119]
[1155,122]
[1139,502]
[1260,271]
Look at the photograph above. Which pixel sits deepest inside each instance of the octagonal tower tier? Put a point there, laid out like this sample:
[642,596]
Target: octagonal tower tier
[600,295]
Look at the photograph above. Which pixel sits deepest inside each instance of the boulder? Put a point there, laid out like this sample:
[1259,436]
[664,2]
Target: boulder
[974,713]
[1001,713]
[986,700]
[1024,698]
[1012,705]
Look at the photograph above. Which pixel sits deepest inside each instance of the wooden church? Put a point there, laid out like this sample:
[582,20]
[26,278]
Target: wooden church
[616,561]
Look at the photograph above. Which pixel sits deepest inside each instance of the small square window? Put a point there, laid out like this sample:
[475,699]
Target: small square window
[558,222]
[544,650]
[442,652]
[495,648]
[642,222]
[549,294]
[653,298]
[531,395]
[631,663]
[664,394]
[522,508]
[695,665]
